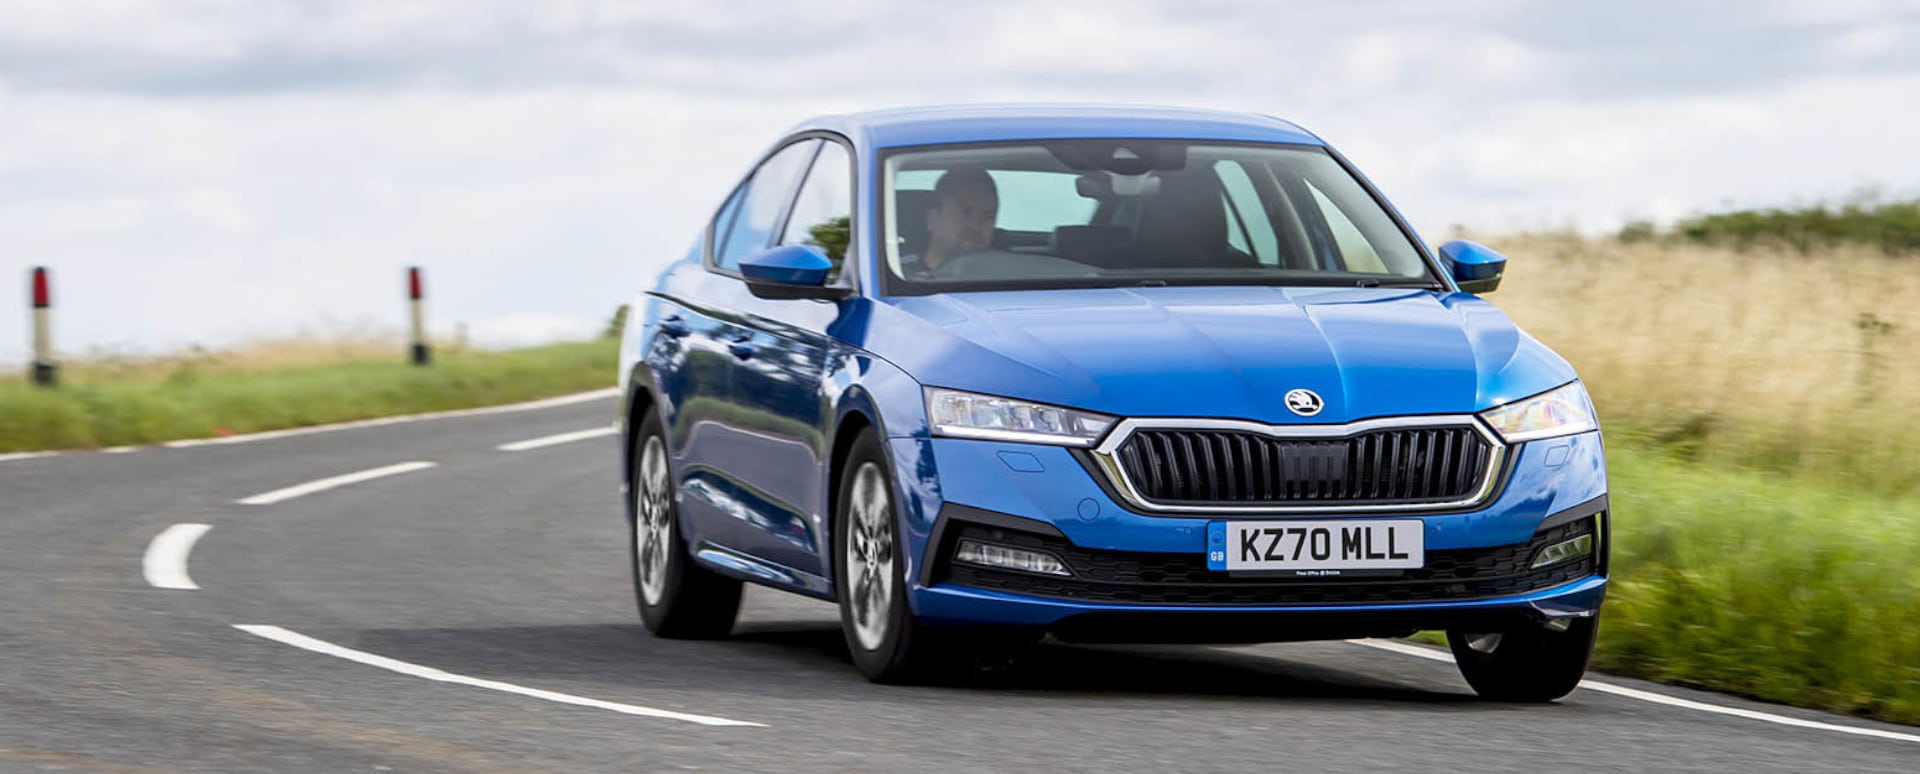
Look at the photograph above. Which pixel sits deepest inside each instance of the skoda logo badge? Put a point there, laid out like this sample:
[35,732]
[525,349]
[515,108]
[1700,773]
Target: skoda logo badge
[1306,403]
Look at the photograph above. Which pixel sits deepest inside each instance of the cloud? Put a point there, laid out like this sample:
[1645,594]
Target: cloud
[198,171]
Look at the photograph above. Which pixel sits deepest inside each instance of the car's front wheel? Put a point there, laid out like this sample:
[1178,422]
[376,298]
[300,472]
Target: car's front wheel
[888,644]
[1528,664]
[677,597]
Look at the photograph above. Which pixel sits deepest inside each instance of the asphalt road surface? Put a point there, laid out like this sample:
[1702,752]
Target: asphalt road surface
[476,614]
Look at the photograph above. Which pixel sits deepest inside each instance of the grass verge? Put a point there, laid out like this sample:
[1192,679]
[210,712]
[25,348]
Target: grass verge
[1787,590]
[193,403]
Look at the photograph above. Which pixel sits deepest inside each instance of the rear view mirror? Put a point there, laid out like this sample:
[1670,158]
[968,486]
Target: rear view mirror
[1475,267]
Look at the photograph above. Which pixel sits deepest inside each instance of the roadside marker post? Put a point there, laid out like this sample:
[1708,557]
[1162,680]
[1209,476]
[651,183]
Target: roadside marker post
[421,355]
[46,372]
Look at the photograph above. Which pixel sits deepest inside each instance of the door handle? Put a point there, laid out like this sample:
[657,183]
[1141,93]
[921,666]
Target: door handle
[673,325]
[741,349]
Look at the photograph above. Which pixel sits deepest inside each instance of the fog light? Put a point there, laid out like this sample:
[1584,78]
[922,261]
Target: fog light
[1565,550]
[1009,558]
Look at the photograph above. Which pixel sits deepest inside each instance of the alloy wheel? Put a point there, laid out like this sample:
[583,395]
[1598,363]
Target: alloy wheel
[653,521]
[870,556]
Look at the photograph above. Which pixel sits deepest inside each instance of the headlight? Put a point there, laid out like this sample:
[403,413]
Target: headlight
[966,415]
[1563,410]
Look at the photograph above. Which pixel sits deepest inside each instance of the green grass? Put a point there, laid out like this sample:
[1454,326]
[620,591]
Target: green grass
[191,403]
[1789,590]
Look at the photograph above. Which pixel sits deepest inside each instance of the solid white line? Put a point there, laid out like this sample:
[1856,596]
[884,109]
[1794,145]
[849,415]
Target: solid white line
[554,440]
[165,564]
[119,449]
[304,642]
[563,400]
[1658,698]
[11,456]
[278,495]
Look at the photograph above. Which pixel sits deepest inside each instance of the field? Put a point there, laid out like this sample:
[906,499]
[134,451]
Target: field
[1759,409]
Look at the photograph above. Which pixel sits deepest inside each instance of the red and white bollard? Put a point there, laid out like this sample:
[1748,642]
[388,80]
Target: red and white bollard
[46,372]
[421,355]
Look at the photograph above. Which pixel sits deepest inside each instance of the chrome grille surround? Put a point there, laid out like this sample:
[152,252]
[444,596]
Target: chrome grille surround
[1106,457]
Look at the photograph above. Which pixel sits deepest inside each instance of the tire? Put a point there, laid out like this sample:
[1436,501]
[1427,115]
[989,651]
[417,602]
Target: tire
[1530,664]
[888,644]
[677,598]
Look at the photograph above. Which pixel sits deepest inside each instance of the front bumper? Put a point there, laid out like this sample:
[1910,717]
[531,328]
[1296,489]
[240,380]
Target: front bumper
[1550,482]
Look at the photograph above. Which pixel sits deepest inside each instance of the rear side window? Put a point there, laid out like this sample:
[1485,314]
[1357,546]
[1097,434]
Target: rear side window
[823,212]
[746,227]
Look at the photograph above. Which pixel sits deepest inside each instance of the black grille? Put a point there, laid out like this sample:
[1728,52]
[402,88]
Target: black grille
[1398,466]
[1183,579]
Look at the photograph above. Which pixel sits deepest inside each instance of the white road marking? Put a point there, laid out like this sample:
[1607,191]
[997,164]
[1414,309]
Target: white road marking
[1658,698]
[554,440]
[563,400]
[165,564]
[119,449]
[11,456]
[304,642]
[278,495]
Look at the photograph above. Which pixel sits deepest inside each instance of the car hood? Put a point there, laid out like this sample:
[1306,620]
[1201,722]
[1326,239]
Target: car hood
[1232,352]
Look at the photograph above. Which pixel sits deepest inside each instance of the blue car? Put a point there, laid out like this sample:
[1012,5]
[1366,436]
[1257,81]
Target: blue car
[986,374]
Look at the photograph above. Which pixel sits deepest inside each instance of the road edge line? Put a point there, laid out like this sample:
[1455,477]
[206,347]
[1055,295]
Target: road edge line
[1659,698]
[558,400]
[298,640]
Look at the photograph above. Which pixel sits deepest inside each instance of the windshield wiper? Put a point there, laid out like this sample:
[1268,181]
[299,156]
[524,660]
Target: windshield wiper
[1374,283]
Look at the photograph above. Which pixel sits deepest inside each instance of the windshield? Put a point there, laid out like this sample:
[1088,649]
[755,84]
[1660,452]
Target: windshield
[1106,213]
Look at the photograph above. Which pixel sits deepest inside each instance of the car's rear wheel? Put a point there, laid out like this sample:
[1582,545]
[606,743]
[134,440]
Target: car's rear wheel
[1528,664]
[888,644]
[677,597]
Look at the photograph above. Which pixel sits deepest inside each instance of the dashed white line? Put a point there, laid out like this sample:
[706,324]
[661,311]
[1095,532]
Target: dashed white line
[11,456]
[555,440]
[1671,701]
[278,495]
[304,642]
[165,564]
[563,400]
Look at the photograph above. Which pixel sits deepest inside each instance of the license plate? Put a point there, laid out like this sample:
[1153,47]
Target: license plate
[1316,548]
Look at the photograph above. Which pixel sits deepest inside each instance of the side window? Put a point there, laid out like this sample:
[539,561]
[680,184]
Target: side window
[823,212]
[766,195]
[1246,215]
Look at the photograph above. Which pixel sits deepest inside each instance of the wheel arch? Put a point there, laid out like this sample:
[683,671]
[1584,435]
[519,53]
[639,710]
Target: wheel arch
[640,399]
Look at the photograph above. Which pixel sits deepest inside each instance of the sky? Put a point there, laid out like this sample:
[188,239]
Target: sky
[200,172]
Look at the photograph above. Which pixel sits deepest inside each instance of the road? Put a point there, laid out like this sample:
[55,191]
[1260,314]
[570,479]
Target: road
[476,614]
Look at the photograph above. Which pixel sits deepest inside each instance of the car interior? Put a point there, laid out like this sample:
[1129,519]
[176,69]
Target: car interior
[1173,221]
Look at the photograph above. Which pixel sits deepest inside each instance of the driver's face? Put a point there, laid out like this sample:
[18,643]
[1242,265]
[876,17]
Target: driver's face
[963,222]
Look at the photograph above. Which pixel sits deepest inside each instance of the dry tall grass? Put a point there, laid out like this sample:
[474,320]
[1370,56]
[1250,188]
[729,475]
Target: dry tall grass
[1808,363]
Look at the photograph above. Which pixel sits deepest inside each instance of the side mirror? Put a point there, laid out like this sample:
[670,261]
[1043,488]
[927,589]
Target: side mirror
[1475,267]
[790,271]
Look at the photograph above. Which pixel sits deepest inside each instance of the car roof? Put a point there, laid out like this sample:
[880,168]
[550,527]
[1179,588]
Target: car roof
[934,125]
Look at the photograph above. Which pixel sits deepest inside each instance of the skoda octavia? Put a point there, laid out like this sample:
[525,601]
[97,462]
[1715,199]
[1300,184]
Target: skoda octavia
[985,374]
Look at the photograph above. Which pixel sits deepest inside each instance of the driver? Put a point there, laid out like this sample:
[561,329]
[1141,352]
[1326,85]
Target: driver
[965,203]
